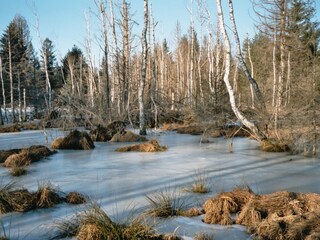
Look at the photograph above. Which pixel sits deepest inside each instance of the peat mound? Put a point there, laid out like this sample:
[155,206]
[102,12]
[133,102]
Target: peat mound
[128,136]
[103,134]
[25,156]
[151,146]
[75,140]
[279,215]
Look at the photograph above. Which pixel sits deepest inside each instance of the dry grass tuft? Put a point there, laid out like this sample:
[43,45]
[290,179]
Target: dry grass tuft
[151,146]
[47,196]
[25,156]
[4,154]
[75,198]
[12,128]
[74,140]
[200,184]
[166,203]
[18,171]
[203,236]
[192,212]
[280,215]
[128,136]
[274,146]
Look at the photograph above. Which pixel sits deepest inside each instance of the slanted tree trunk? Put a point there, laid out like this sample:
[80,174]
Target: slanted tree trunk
[242,63]
[258,134]
[3,96]
[252,73]
[142,85]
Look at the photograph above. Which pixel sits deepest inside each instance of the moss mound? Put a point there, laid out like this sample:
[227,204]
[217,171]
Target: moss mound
[151,146]
[25,156]
[103,134]
[280,215]
[74,140]
[128,136]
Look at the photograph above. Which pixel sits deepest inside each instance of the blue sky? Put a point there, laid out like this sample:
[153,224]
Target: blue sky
[63,21]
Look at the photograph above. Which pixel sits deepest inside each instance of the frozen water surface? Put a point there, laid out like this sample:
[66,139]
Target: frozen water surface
[119,182]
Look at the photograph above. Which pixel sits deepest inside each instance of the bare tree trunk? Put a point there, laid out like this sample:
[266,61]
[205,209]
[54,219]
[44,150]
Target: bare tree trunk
[44,56]
[143,72]
[91,65]
[154,73]
[3,96]
[19,98]
[252,73]
[282,52]
[24,105]
[274,64]
[11,81]
[258,134]
[126,55]
[191,58]
[241,60]
[117,55]
[288,84]
[103,18]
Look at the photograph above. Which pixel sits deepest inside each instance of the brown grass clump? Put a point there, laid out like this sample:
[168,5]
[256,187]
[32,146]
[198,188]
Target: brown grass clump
[280,215]
[103,134]
[12,128]
[203,236]
[192,212]
[274,146]
[151,146]
[74,140]
[128,136]
[4,154]
[21,200]
[47,196]
[191,129]
[26,156]
[18,171]
[75,198]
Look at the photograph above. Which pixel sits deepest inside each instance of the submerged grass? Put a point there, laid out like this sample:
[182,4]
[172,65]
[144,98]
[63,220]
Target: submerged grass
[18,171]
[203,236]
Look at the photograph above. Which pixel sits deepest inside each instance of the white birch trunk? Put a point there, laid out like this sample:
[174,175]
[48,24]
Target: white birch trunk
[11,80]
[274,64]
[260,136]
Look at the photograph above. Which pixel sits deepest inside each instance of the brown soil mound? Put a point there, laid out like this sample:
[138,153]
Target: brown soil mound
[151,146]
[103,134]
[75,198]
[75,140]
[26,156]
[191,129]
[280,215]
[128,136]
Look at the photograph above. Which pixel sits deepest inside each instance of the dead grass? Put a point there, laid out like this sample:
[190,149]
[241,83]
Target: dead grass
[200,183]
[128,136]
[74,140]
[95,224]
[18,171]
[279,215]
[272,145]
[4,154]
[203,236]
[166,203]
[151,146]
[47,196]
[75,198]
[25,156]
[12,128]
